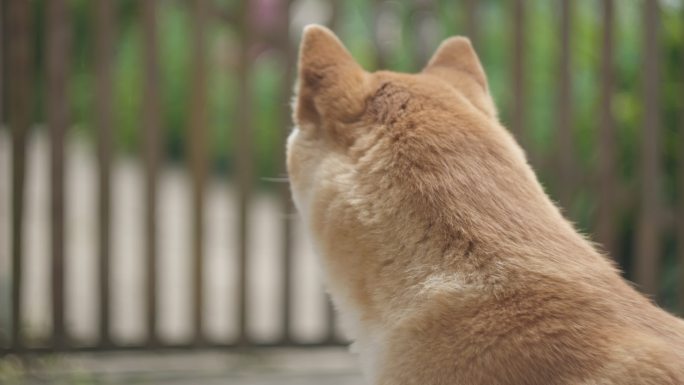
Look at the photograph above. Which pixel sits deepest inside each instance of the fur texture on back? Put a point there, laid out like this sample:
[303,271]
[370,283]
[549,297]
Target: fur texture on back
[445,258]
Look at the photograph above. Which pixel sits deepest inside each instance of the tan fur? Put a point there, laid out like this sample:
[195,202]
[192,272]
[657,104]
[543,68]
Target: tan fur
[443,254]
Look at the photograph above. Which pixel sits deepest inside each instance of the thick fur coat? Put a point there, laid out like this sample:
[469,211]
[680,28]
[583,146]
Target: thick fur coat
[445,258]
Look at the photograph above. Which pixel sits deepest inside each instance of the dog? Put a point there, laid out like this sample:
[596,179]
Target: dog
[445,258]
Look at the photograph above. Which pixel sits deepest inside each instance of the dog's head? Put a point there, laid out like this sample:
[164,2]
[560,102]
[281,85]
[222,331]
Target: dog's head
[368,146]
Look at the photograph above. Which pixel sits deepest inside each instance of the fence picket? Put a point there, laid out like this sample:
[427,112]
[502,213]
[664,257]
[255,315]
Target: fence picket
[519,105]
[380,54]
[606,178]
[104,21]
[152,145]
[286,206]
[472,22]
[58,47]
[198,159]
[649,226]
[244,162]
[565,144]
[19,87]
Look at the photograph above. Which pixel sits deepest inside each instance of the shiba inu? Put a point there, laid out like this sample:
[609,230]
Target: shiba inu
[444,256]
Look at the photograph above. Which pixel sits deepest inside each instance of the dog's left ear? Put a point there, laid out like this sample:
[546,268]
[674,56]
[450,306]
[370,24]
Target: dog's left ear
[331,85]
[456,54]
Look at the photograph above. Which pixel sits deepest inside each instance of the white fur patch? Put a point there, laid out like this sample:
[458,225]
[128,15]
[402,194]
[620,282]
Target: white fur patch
[443,282]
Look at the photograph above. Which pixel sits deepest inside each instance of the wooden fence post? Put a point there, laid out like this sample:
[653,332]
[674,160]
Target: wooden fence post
[19,117]
[519,101]
[649,226]
[152,148]
[244,161]
[472,26]
[104,20]
[607,173]
[287,59]
[198,158]
[57,105]
[336,11]
[422,48]
[380,51]
[565,144]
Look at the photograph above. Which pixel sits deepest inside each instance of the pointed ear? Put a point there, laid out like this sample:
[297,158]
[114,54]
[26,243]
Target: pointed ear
[330,83]
[456,54]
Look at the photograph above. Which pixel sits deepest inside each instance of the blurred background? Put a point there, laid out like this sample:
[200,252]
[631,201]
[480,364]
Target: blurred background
[146,229]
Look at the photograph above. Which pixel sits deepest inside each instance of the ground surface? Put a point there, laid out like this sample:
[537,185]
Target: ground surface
[332,366]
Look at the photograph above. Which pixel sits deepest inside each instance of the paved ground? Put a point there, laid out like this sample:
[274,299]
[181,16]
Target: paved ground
[332,366]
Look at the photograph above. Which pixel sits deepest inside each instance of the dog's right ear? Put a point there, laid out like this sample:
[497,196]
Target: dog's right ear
[456,63]
[457,54]
[330,84]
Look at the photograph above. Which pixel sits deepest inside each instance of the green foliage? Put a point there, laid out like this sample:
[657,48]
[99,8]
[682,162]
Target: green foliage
[174,46]
[267,105]
[495,46]
[127,88]
[222,96]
